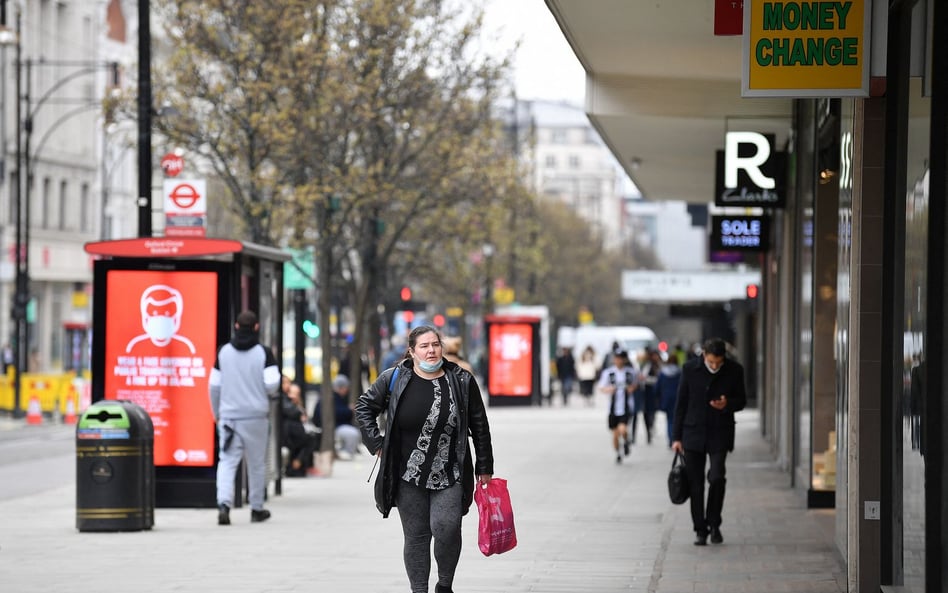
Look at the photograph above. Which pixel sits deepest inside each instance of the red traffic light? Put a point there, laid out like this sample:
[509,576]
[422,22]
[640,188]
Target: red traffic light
[408,316]
[406,293]
[438,320]
[753,291]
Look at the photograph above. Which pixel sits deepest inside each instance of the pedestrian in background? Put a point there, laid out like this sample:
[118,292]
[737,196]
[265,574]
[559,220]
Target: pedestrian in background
[566,372]
[244,376]
[619,381]
[427,465]
[394,353]
[666,388]
[346,435]
[300,437]
[587,371]
[679,354]
[711,390]
[644,397]
[452,352]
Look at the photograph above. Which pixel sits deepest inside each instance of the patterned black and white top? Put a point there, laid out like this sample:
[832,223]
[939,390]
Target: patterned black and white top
[427,427]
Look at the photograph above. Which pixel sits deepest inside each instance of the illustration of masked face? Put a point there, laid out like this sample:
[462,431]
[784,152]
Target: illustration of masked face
[160,328]
[161,308]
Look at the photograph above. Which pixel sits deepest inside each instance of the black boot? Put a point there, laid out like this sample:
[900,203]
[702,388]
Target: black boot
[223,514]
[442,589]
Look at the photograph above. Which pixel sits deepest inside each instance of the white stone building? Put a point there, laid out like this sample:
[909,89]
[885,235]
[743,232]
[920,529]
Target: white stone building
[568,161]
[65,49]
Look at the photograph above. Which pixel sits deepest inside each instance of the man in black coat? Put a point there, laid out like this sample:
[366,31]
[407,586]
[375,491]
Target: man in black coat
[711,390]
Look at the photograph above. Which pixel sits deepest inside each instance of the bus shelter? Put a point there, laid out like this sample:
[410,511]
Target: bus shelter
[161,308]
[514,351]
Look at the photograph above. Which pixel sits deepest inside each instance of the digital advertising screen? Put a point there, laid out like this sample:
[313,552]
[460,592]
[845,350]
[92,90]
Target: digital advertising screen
[160,343]
[511,359]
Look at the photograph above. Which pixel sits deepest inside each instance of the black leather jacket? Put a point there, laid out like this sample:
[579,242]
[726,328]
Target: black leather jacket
[472,421]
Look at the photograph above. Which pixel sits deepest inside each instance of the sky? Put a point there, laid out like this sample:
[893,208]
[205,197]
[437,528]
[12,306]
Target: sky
[545,66]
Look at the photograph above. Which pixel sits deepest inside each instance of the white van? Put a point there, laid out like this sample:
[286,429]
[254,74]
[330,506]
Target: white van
[631,338]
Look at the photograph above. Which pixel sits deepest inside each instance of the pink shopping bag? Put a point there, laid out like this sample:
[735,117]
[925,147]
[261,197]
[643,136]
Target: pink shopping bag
[496,533]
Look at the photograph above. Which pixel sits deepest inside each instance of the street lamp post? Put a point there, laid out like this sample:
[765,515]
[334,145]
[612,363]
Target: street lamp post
[488,251]
[20,281]
[145,108]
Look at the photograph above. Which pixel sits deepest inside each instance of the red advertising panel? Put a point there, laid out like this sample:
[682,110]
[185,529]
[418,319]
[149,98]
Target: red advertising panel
[160,344]
[728,17]
[511,359]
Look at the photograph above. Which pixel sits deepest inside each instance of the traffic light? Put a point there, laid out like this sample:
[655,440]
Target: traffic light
[407,303]
[310,329]
[753,291]
[438,320]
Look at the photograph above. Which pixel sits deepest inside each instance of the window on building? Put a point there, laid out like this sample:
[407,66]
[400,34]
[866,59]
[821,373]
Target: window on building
[14,195]
[559,136]
[550,161]
[85,214]
[594,205]
[574,161]
[61,301]
[63,204]
[45,199]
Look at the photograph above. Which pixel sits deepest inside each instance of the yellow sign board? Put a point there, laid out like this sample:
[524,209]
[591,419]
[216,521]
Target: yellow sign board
[504,295]
[806,49]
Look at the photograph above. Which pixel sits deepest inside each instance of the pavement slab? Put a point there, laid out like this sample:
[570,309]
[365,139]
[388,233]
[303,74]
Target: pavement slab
[584,524]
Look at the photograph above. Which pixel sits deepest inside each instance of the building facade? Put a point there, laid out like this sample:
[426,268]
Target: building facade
[62,59]
[568,162]
[852,320]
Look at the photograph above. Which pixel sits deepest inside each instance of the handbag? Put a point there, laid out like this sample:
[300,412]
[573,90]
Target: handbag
[678,488]
[496,533]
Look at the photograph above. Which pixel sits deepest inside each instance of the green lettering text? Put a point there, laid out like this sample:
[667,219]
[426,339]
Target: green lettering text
[772,12]
[842,9]
[791,16]
[850,50]
[809,15]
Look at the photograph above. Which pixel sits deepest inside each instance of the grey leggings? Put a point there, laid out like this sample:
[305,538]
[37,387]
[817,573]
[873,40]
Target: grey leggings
[425,514]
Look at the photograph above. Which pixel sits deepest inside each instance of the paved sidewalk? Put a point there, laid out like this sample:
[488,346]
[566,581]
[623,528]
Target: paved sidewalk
[584,524]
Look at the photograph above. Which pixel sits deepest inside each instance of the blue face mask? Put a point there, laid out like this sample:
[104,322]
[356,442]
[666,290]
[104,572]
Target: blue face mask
[430,367]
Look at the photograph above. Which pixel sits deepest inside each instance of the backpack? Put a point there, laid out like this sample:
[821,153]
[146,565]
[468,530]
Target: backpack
[391,383]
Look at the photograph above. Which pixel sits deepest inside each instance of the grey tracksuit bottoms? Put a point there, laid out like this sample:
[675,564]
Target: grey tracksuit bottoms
[239,439]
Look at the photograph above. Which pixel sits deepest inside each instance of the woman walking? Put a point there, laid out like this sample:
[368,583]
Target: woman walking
[428,466]
[587,371]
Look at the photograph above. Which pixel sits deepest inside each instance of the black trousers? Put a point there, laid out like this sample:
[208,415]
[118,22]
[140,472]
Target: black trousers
[644,404]
[301,444]
[704,518]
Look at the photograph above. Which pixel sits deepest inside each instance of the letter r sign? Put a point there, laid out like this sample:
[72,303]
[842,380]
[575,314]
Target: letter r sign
[750,171]
[750,164]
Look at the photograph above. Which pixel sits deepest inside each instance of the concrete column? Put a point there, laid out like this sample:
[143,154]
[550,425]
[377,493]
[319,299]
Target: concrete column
[865,345]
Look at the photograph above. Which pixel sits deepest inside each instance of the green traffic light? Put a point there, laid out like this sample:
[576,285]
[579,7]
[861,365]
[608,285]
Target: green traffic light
[310,329]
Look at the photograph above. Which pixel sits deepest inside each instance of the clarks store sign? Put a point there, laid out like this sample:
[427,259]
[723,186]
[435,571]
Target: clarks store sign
[749,172]
[806,49]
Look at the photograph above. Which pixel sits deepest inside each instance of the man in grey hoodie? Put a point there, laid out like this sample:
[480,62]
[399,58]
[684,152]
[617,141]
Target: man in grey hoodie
[244,377]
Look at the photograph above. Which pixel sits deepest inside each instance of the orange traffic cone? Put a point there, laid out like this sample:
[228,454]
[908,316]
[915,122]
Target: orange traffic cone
[34,413]
[70,417]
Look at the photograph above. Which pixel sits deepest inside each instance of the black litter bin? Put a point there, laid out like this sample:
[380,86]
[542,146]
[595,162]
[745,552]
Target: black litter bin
[115,468]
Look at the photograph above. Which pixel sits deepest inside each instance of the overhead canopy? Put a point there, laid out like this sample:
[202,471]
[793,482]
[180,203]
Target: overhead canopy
[662,90]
